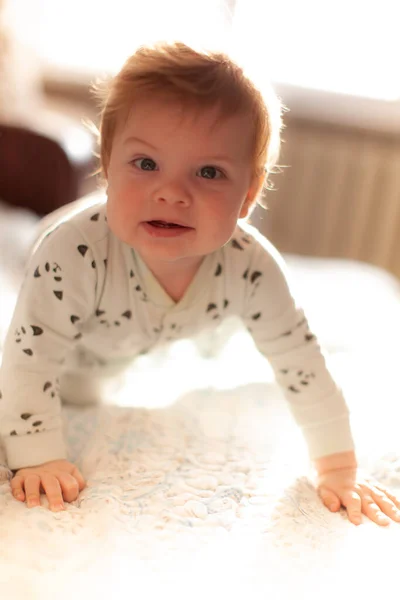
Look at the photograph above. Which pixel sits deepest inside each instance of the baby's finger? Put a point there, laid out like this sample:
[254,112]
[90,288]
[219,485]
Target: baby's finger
[79,477]
[352,502]
[389,494]
[17,484]
[53,492]
[69,486]
[372,510]
[385,504]
[330,499]
[32,490]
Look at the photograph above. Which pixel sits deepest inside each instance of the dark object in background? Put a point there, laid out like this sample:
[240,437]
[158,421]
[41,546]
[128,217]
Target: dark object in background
[42,171]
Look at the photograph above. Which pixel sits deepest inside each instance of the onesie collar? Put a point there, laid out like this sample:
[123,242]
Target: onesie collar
[159,297]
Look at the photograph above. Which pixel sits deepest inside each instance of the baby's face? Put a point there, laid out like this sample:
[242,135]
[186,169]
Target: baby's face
[170,166]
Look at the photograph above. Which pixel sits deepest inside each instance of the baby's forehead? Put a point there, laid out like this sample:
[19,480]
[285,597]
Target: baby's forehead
[155,115]
[193,133]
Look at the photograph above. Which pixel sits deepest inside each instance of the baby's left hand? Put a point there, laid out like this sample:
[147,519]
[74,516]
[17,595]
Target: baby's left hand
[348,487]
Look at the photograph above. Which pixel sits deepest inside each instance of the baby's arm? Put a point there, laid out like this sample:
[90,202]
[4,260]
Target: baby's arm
[58,294]
[281,332]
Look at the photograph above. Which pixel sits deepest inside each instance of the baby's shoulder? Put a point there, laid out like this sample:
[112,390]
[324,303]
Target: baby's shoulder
[86,217]
[250,258]
[249,246]
[91,221]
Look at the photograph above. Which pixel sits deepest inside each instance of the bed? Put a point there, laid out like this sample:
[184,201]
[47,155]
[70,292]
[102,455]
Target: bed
[199,485]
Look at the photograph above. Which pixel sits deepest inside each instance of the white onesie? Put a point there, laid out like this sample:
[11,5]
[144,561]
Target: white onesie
[88,301]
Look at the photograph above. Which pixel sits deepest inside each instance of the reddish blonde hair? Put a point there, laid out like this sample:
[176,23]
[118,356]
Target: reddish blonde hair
[199,80]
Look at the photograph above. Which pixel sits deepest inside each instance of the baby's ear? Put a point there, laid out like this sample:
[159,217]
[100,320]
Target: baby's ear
[252,194]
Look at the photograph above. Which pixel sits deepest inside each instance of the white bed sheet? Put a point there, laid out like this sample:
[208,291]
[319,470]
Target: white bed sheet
[198,479]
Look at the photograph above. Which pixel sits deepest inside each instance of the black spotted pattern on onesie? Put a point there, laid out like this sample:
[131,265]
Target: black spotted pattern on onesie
[75,319]
[297,380]
[34,425]
[138,288]
[50,388]
[240,245]
[24,334]
[51,270]
[308,336]
[112,321]
[216,311]
[212,308]
[254,278]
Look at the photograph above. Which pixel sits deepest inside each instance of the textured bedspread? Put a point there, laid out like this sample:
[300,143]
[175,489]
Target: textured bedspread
[198,483]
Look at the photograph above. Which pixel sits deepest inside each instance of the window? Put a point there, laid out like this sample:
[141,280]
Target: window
[87,36]
[344,46]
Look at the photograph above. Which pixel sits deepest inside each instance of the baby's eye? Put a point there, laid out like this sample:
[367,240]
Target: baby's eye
[210,172]
[145,164]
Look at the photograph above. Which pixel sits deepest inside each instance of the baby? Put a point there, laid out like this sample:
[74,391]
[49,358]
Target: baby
[187,141]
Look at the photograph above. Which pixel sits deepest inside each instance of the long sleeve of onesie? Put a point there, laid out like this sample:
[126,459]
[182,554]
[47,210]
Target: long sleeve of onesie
[281,332]
[57,294]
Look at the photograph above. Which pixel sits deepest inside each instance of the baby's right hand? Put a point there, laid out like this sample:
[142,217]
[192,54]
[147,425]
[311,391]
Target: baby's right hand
[58,479]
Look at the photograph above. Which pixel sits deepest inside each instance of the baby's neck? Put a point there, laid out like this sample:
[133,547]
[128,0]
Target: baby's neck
[175,279]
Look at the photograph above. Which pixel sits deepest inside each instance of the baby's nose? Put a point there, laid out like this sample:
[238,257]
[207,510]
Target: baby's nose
[174,192]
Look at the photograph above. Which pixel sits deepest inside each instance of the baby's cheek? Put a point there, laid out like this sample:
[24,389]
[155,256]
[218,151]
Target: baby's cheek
[117,214]
[224,225]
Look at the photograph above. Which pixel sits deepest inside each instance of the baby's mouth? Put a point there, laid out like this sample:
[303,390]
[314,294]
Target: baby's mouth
[164,224]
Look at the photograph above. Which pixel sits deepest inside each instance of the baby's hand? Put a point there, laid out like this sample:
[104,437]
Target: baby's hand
[58,479]
[358,494]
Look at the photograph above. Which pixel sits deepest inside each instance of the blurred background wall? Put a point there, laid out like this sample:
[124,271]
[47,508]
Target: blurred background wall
[334,64]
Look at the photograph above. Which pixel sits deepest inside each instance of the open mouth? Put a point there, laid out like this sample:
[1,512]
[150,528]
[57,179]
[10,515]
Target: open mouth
[165,225]
[166,229]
